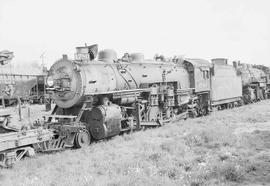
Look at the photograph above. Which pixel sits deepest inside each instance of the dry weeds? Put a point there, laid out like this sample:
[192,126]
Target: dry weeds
[230,147]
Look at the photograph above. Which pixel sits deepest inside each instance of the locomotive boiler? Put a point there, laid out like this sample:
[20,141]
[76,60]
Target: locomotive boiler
[71,80]
[104,97]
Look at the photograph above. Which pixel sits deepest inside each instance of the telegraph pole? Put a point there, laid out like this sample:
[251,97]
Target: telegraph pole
[42,59]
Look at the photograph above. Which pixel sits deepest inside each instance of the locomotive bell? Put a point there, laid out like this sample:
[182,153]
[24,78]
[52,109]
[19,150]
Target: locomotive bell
[107,55]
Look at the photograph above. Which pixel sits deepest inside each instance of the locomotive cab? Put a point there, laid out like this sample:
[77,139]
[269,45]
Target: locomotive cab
[199,76]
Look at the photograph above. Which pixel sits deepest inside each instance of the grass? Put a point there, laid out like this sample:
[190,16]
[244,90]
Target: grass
[230,147]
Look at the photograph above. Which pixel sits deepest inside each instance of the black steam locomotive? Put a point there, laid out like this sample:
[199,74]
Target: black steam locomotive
[99,98]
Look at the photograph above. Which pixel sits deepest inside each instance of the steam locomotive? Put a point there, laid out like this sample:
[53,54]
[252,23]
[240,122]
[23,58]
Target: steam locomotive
[255,81]
[100,98]
[97,99]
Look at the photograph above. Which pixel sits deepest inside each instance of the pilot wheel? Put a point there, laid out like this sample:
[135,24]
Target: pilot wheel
[82,139]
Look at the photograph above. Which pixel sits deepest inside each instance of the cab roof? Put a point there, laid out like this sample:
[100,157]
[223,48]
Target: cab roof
[197,62]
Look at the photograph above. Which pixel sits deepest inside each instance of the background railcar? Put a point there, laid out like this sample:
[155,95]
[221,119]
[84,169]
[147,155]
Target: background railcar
[24,87]
[254,82]
[266,70]
[25,82]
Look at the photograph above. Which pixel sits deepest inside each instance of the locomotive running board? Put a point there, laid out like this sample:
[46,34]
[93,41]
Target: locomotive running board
[149,124]
[51,116]
[184,91]
[119,93]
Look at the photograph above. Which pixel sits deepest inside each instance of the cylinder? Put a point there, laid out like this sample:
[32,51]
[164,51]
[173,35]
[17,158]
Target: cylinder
[104,121]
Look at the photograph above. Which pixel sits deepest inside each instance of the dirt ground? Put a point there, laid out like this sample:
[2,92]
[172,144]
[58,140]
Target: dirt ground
[230,147]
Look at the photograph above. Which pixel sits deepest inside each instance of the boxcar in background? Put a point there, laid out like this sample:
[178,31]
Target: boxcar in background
[26,87]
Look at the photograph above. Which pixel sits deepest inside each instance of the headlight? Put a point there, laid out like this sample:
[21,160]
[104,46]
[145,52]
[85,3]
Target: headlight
[50,81]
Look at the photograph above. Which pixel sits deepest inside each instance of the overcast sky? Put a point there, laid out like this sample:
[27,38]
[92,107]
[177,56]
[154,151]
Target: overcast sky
[235,29]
